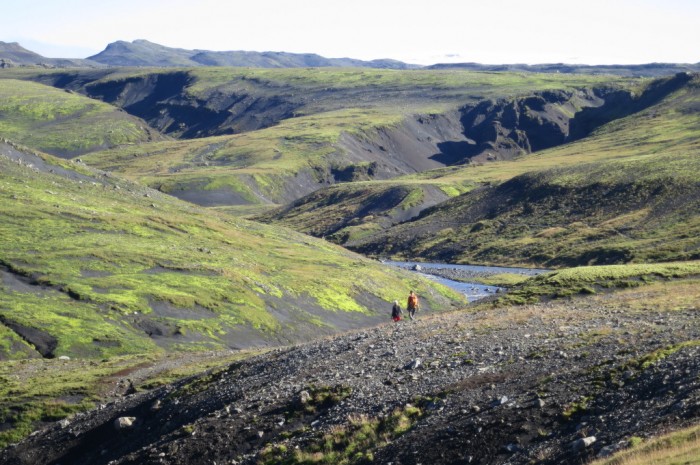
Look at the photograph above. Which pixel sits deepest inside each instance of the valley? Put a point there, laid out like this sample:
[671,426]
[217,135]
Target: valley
[200,248]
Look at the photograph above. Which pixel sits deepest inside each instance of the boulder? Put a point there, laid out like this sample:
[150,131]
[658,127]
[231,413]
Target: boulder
[124,423]
[583,443]
[413,364]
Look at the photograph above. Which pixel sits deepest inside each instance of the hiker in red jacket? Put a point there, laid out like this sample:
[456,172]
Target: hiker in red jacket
[396,311]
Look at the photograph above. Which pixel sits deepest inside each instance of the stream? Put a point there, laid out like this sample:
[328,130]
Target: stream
[473,291]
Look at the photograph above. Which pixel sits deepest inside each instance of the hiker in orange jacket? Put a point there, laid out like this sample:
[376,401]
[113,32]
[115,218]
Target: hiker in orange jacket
[413,304]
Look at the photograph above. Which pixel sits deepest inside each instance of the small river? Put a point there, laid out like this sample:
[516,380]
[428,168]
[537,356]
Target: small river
[473,291]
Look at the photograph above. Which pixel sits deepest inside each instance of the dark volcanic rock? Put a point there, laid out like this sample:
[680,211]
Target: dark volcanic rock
[527,385]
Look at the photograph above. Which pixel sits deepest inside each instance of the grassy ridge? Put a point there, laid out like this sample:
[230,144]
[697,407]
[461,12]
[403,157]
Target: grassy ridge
[544,219]
[253,166]
[417,88]
[346,213]
[62,123]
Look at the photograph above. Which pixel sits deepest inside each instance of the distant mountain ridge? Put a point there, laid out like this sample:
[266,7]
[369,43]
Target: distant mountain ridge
[13,54]
[648,69]
[145,53]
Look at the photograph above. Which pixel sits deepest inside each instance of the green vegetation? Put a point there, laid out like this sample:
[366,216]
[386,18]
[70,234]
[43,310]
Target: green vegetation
[263,165]
[576,408]
[351,444]
[318,398]
[591,279]
[63,123]
[653,358]
[34,391]
[416,81]
[507,280]
[680,447]
[628,193]
[97,268]
[350,212]
[115,275]
[47,390]
[110,253]
[252,166]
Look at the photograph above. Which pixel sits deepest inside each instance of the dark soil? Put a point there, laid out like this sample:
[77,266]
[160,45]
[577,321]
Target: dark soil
[43,342]
[516,386]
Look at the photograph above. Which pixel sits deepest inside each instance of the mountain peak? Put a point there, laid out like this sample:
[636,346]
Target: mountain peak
[18,54]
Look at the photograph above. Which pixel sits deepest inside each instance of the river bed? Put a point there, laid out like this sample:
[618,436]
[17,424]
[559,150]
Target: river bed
[440,273]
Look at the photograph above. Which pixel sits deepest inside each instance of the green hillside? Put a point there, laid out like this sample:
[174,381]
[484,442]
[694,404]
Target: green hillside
[347,213]
[275,164]
[201,102]
[98,266]
[295,129]
[62,123]
[628,193]
[114,270]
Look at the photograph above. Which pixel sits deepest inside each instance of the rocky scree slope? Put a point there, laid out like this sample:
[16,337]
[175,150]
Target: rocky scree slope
[554,383]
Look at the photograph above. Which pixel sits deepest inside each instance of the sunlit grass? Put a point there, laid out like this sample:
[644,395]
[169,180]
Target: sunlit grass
[106,251]
[587,280]
[681,447]
[60,122]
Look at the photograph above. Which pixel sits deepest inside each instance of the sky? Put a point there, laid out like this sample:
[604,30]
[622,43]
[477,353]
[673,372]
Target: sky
[414,31]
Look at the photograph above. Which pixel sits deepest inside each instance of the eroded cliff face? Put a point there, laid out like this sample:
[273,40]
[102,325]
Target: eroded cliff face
[503,129]
[165,102]
[488,130]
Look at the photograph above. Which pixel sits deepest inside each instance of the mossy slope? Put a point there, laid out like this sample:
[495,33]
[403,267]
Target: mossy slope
[96,266]
[62,123]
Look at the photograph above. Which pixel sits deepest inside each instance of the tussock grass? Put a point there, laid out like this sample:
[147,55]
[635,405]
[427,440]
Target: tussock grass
[680,447]
[353,443]
[591,279]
